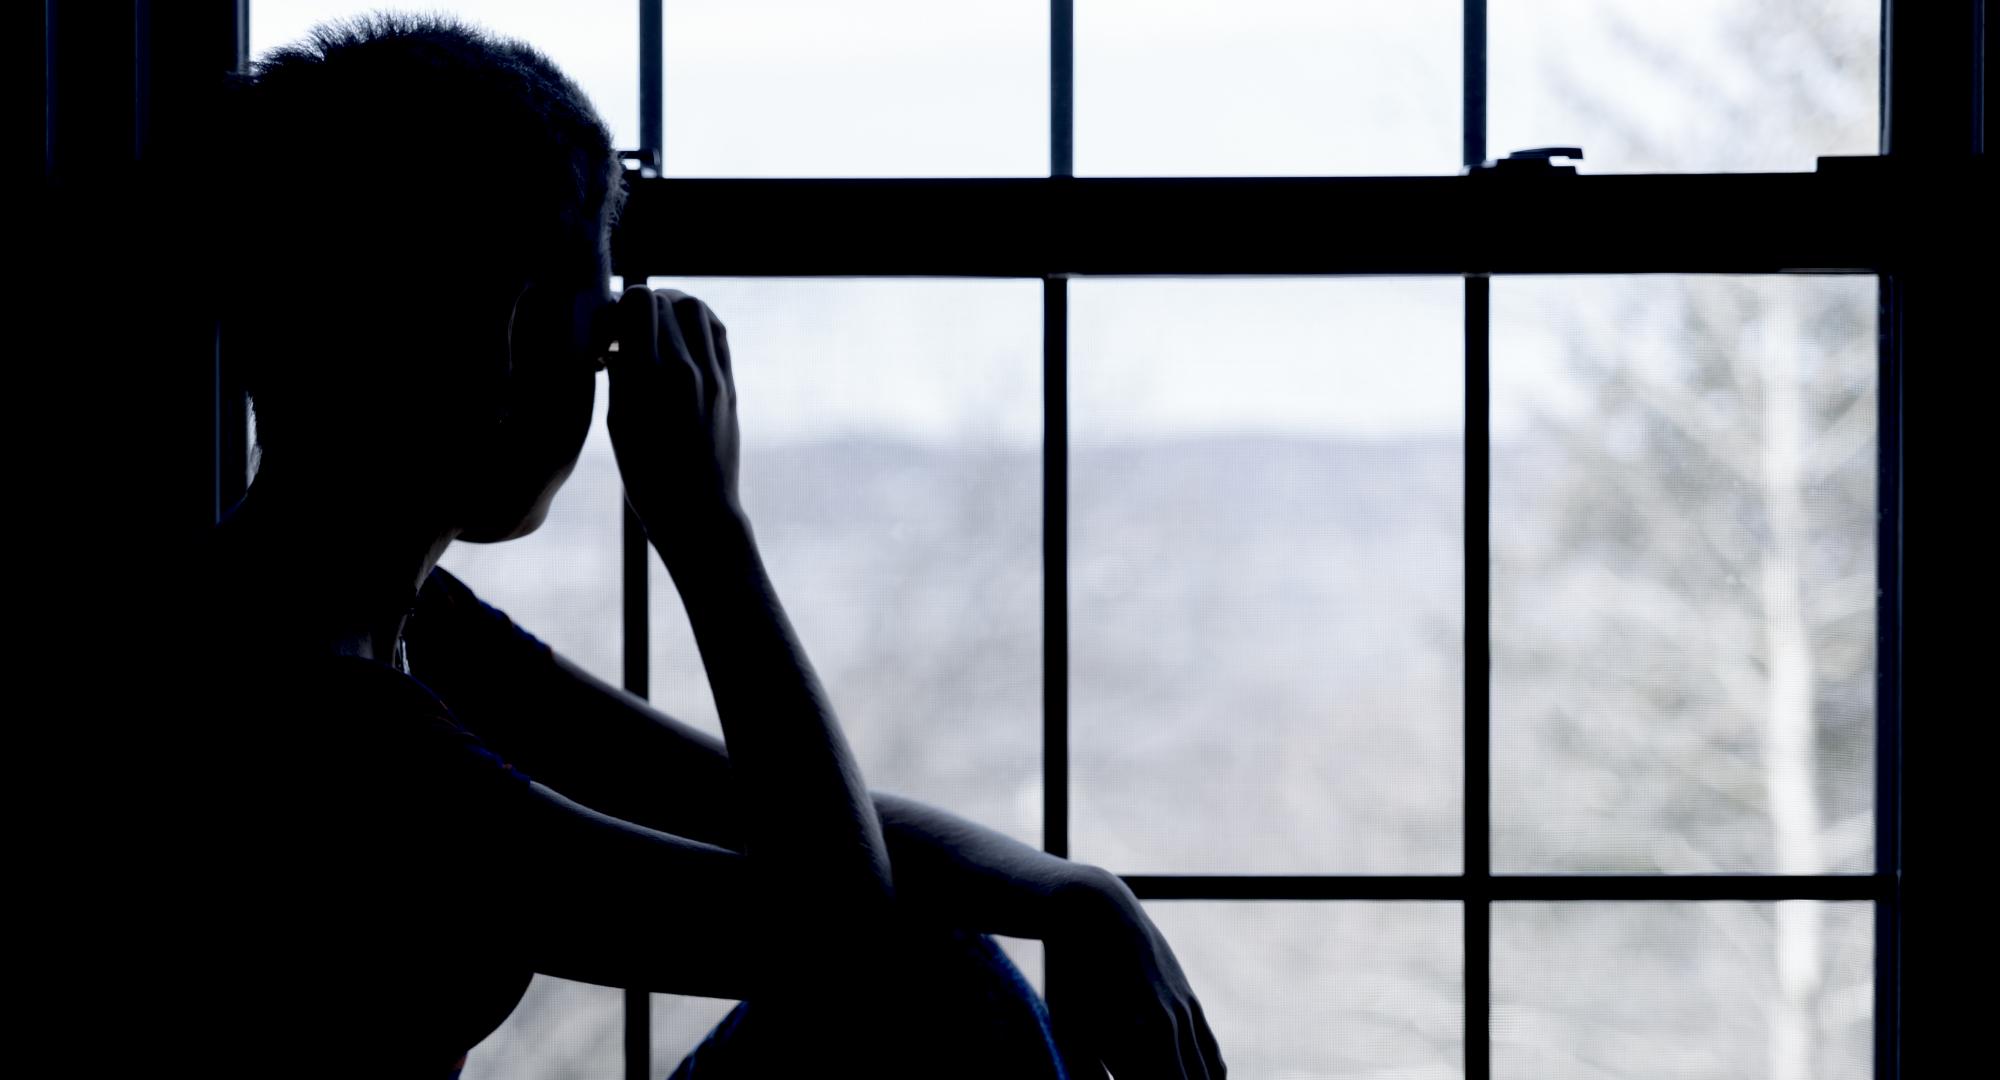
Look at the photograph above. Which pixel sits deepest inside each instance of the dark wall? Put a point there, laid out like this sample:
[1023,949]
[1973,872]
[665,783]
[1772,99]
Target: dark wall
[128,358]
[114,420]
[1938,316]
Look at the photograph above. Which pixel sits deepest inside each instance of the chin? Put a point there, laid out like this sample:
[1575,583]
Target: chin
[519,529]
[511,521]
[501,529]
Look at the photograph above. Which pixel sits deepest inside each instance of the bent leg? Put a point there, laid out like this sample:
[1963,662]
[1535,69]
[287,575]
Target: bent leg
[942,1006]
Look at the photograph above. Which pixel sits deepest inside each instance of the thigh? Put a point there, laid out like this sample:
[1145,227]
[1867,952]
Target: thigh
[945,1005]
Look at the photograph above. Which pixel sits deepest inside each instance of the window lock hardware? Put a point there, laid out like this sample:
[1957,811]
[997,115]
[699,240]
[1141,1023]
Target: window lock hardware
[644,162]
[1538,161]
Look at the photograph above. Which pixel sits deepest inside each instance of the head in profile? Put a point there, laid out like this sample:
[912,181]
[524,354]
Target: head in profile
[430,360]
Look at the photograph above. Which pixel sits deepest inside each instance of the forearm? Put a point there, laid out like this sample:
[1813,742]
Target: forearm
[665,775]
[618,753]
[948,870]
[807,812]
[962,874]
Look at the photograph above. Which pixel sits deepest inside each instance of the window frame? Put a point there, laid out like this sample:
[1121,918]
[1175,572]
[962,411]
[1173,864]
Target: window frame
[1918,192]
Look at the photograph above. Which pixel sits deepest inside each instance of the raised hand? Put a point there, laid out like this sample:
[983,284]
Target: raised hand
[673,418]
[809,826]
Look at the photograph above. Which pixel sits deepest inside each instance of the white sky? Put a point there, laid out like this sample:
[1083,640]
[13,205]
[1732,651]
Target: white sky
[1163,87]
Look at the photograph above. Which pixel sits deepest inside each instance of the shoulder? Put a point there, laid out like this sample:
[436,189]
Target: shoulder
[442,587]
[402,714]
[331,722]
[444,598]
[458,641]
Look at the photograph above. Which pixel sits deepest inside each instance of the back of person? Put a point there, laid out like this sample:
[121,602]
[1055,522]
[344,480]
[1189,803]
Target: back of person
[364,884]
[337,869]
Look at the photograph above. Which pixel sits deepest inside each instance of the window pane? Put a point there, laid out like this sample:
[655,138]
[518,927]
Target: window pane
[1326,989]
[891,466]
[861,88]
[590,40]
[1683,617]
[679,1024]
[1266,587]
[1691,86]
[1266,87]
[560,1028]
[1663,991]
[1028,955]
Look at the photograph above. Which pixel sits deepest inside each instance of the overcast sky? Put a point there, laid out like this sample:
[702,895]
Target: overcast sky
[1163,87]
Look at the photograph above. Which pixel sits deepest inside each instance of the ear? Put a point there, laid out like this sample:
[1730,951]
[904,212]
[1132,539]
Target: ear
[518,330]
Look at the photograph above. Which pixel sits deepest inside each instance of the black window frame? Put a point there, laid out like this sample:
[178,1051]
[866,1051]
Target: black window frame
[1918,197]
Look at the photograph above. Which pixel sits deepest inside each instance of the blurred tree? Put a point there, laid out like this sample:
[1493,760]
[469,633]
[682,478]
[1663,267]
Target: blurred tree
[1684,566]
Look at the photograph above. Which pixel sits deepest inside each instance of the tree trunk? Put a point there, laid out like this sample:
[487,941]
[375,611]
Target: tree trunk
[1788,702]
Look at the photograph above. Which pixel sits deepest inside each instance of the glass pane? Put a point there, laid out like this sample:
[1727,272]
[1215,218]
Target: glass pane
[891,467]
[1027,955]
[1267,87]
[1266,587]
[1326,989]
[861,88]
[679,1024]
[592,41]
[569,1029]
[1684,473]
[252,456]
[1666,991]
[1690,86]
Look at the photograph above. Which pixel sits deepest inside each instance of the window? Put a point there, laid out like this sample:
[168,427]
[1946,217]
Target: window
[1462,605]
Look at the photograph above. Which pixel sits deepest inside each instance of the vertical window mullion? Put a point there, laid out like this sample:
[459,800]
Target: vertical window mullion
[1478,648]
[652,81]
[1055,458]
[1055,480]
[638,1003]
[1055,565]
[1055,592]
[1474,115]
[1062,87]
[1888,679]
[232,399]
[1477,831]
[635,554]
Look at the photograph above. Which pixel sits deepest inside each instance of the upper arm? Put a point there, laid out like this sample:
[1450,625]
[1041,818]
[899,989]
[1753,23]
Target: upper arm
[603,900]
[599,744]
[574,892]
[357,824]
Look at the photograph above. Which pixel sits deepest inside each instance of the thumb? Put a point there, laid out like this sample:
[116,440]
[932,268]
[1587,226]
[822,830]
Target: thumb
[638,329]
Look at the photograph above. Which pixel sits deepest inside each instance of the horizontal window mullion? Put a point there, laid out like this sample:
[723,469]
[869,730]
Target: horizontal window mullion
[1853,218]
[1504,887]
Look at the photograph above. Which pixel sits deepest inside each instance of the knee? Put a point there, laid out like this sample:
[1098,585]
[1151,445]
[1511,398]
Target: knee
[957,961]
[931,1003]
[969,1004]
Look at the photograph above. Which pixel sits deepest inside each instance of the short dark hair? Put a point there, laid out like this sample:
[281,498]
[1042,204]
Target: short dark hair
[399,158]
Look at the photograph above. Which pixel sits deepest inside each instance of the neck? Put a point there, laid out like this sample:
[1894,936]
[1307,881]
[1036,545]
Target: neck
[347,559]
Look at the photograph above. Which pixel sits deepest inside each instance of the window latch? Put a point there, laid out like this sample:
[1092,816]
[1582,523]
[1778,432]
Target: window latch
[644,162]
[1538,161]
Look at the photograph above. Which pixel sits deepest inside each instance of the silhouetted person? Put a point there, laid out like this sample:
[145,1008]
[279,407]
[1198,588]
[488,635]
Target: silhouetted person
[407,805]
